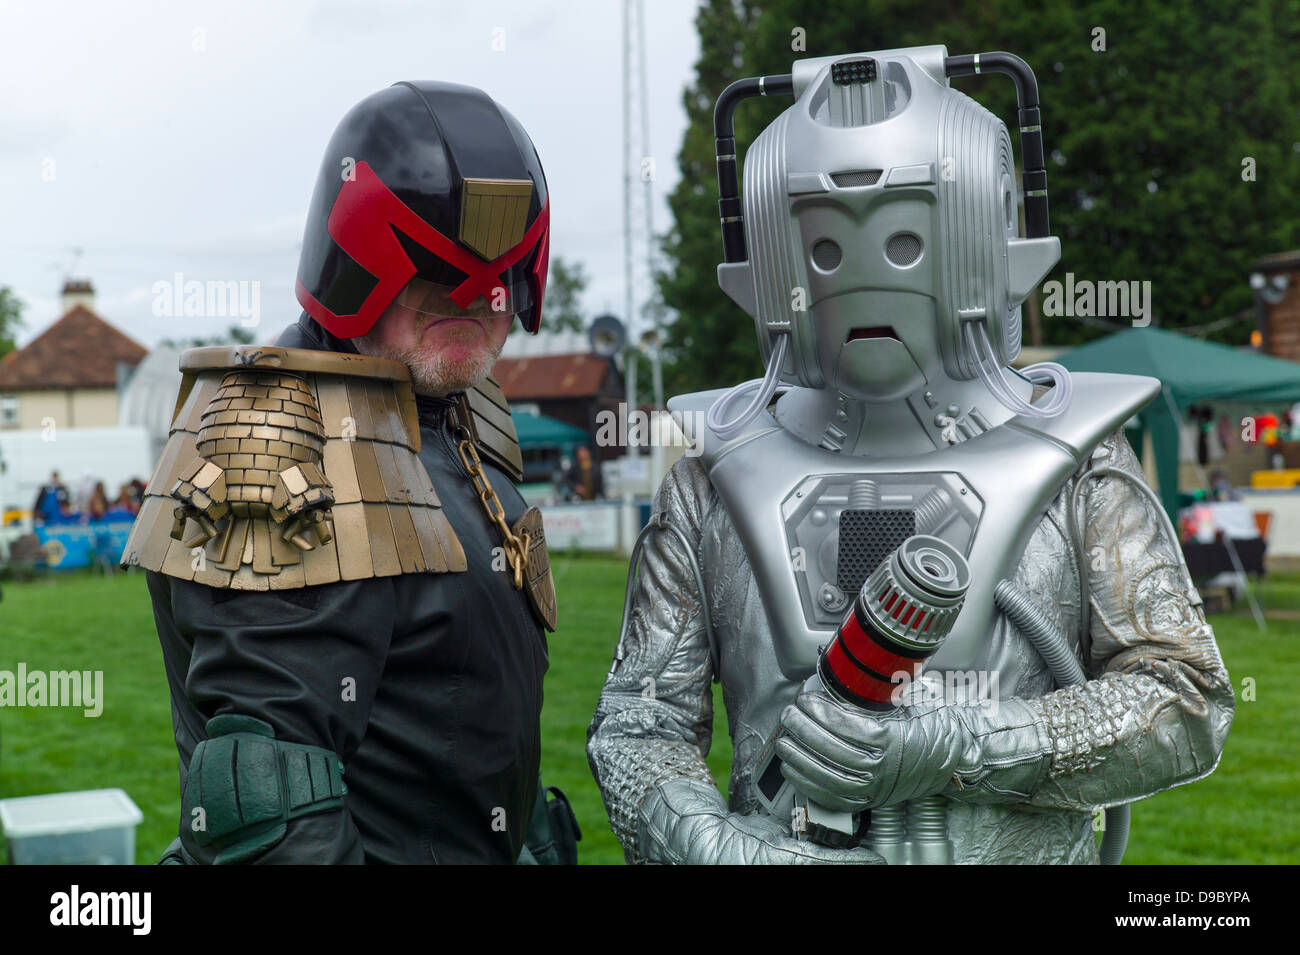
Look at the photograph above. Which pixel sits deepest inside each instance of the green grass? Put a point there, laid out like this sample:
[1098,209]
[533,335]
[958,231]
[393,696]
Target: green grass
[590,591]
[83,622]
[1241,813]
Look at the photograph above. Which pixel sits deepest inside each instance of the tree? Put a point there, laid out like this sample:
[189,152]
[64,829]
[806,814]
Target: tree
[234,335]
[11,320]
[1148,129]
[711,341]
[1173,148]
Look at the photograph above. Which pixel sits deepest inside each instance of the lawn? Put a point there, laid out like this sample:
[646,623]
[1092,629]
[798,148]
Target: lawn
[1241,813]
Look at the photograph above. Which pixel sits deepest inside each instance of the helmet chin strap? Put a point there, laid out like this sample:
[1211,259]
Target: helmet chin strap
[1047,372]
[766,387]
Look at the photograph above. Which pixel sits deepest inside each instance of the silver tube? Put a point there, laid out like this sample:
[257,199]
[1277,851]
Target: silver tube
[1051,644]
[1041,632]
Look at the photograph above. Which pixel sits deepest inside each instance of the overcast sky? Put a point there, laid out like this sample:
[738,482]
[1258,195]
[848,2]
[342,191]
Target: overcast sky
[163,137]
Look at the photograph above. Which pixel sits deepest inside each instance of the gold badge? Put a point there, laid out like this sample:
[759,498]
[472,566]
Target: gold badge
[494,214]
[538,583]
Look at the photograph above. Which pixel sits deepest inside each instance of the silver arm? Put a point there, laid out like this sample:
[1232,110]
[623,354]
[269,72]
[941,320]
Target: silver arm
[1158,713]
[654,720]
[1159,705]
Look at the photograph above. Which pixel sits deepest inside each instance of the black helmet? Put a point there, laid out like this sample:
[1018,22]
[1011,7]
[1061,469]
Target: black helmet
[427,180]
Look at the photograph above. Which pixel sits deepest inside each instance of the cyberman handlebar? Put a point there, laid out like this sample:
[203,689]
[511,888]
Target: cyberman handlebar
[1033,179]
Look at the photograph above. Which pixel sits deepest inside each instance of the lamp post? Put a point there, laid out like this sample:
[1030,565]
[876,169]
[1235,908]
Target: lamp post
[608,337]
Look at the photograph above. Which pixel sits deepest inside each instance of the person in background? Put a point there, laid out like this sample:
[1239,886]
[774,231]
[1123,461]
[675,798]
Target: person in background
[85,490]
[583,476]
[97,505]
[51,501]
[1221,488]
[125,505]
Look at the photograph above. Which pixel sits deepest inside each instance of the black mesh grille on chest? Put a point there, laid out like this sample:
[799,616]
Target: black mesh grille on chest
[866,538]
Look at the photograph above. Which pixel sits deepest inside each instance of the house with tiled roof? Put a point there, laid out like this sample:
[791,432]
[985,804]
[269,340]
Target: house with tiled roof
[68,374]
[573,388]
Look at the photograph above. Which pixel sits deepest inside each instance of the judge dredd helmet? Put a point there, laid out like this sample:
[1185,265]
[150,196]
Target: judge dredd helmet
[877,241]
[428,180]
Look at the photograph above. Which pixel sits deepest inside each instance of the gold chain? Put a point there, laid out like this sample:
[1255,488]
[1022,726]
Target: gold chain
[516,545]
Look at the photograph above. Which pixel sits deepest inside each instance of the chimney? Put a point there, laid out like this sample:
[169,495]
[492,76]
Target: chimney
[1275,280]
[78,292]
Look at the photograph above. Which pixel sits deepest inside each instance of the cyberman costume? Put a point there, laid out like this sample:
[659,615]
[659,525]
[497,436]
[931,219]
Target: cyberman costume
[349,591]
[877,248]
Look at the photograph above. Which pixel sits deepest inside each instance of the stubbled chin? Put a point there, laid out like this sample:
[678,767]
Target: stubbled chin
[453,367]
[450,359]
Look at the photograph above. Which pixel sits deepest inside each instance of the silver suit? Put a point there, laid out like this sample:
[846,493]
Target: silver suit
[1154,714]
[881,262]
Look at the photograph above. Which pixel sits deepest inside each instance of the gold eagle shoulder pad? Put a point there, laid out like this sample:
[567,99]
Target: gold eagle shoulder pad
[485,411]
[289,468]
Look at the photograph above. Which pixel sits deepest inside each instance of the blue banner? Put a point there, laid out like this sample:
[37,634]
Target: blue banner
[70,546]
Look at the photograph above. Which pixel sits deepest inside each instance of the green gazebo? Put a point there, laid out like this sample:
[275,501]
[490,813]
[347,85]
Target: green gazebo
[1190,370]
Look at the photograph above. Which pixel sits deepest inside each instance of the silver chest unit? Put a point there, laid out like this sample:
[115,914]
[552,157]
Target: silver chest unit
[815,523]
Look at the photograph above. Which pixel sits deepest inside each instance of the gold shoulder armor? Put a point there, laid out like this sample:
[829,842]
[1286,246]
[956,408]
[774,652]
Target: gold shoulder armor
[288,468]
[485,411]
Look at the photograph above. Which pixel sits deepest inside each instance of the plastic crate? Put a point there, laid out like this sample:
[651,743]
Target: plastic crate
[94,827]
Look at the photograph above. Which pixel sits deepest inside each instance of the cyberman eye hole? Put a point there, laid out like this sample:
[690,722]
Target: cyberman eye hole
[903,249]
[826,255]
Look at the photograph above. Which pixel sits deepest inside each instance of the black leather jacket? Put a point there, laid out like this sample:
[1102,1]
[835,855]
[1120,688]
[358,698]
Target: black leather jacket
[442,741]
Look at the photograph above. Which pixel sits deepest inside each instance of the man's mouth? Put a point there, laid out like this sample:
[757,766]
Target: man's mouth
[871,331]
[429,321]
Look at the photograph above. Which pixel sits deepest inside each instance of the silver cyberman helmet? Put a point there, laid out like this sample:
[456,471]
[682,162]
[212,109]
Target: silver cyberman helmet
[877,243]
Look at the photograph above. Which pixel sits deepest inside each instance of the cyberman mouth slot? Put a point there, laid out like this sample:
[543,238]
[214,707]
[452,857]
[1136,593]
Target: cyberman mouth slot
[871,331]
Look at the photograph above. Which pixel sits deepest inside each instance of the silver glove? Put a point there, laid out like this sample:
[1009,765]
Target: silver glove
[686,822]
[848,758]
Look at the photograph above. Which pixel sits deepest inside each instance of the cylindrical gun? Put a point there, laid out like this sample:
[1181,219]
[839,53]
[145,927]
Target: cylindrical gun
[900,618]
